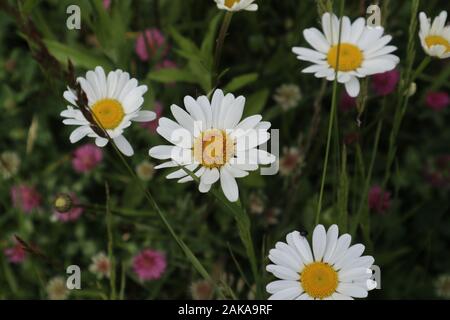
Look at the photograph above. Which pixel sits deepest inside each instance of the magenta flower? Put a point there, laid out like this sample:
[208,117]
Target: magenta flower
[437,100]
[154,41]
[86,158]
[437,172]
[106,4]
[74,212]
[15,254]
[152,125]
[346,103]
[149,264]
[25,198]
[379,200]
[385,83]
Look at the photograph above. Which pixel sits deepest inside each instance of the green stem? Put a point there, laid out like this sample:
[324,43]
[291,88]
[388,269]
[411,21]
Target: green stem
[109,226]
[363,200]
[331,121]
[187,251]
[219,47]
[422,66]
[403,96]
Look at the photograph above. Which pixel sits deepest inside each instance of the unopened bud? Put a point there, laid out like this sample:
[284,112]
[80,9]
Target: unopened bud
[63,203]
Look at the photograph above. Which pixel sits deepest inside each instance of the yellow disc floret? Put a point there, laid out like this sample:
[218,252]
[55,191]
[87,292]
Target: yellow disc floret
[319,280]
[230,3]
[350,57]
[108,113]
[437,40]
[213,148]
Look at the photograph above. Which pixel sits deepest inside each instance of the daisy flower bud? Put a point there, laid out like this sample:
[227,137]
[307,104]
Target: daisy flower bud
[62,203]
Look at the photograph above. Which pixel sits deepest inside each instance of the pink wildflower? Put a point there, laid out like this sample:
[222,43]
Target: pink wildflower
[15,254]
[379,200]
[25,198]
[385,83]
[86,158]
[154,40]
[149,264]
[437,101]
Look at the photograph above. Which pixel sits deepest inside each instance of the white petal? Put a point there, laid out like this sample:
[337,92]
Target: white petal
[319,242]
[282,272]
[338,296]
[287,294]
[351,290]
[279,285]
[341,247]
[353,87]
[123,145]
[357,29]
[79,133]
[281,258]
[216,104]
[210,176]
[183,118]
[234,114]
[229,185]
[204,188]
[303,247]
[332,237]
[195,110]
[162,152]
[101,142]
[145,116]
[316,39]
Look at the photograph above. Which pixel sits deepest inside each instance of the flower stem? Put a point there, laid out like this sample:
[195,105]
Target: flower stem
[331,121]
[403,96]
[219,48]
[190,255]
[109,227]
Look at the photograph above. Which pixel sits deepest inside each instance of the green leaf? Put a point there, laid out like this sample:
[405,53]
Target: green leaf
[184,44]
[79,57]
[256,102]
[29,5]
[240,82]
[207,47]
[172,75]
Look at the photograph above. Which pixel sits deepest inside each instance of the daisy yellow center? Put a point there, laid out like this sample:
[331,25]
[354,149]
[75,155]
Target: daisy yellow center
[437,40]
[213,148]
[230,3]
[350,57]
[108,113]
[319,280]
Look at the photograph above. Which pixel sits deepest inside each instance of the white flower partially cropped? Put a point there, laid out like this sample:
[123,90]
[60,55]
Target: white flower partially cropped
[435,37]
[237,5]
[363,51]
[332,270]
[114,101]
[211,140]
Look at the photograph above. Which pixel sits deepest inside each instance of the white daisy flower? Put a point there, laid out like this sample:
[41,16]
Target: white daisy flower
[237,5]
[435,37]
[114,101]
[332,270]
[363,51]
[211,137]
